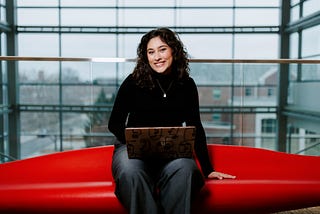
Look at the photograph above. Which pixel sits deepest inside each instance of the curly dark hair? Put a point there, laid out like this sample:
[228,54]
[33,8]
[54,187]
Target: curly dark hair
[142,72]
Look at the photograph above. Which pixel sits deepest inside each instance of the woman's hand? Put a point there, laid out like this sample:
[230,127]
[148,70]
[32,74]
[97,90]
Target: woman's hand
[220,175]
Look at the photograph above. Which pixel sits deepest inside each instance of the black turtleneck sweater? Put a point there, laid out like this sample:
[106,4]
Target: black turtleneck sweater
[141,107]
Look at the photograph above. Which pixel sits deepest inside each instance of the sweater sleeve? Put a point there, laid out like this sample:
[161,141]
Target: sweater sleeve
[119,113]
[194,119]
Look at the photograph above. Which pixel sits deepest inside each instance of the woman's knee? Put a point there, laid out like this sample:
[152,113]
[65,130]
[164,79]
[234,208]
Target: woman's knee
[183,164]
[131,169]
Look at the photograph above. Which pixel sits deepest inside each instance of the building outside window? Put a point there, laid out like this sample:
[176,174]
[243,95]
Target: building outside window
[248,92]
[268,129]
[216,94]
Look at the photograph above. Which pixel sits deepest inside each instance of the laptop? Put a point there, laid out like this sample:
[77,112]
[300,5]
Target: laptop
[160,142]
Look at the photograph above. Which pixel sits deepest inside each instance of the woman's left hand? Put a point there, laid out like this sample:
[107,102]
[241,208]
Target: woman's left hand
[220,175]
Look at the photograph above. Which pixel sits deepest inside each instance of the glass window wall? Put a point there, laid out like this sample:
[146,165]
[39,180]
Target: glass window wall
[68,102]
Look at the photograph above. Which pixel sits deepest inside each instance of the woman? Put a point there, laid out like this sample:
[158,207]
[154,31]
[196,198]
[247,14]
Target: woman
[159,92]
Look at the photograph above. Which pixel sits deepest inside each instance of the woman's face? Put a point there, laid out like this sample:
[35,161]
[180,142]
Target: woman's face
[159,55]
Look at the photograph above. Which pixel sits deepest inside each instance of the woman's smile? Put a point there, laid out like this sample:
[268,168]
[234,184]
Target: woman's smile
[159,55]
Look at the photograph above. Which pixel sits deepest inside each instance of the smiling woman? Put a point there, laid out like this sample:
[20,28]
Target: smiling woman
[159,93]
[159,55]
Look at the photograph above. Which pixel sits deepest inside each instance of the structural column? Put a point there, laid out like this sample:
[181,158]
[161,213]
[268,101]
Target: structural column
[283,78]
[13,85]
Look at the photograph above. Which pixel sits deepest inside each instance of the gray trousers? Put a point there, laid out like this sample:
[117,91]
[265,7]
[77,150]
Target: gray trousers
[153,186]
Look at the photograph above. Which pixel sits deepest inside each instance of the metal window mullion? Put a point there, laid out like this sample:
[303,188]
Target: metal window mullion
[60,85]
[13,84]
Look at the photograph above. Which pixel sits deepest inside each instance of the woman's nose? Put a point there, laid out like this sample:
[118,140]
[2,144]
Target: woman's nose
[157,56]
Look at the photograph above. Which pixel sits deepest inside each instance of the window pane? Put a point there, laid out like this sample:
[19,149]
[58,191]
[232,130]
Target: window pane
[250,17]
[4,73]
[146,17]
[251,46]
[294,45]
[77,95]
[38,44]
[310,72]
[87,73]
[81,3]
[3,17]
[38,72]
[103,71]
[3,44]
[146,3]
[204,74]
[128,44]
[208,46]
[216,117]
[217,131]
[310,6]
[93,17]
[260,3]
[76,72]
[295,13]
[5,101]
[311,41]
[39,131]
[35,122]
[88,45]
[37,17]
[87,95]
[268,126]
[216,94]
[205,17]
[39,94]
[248,91]
[37,3]
[219,96]
[205,3]
[293,2]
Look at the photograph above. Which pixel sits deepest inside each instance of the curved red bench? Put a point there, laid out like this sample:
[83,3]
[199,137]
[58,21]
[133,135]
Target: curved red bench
[80,181]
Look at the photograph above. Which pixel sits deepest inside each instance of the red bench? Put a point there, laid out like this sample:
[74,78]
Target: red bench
[80,181]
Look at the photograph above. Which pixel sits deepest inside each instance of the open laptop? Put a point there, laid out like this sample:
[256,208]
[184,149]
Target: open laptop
[160,142]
